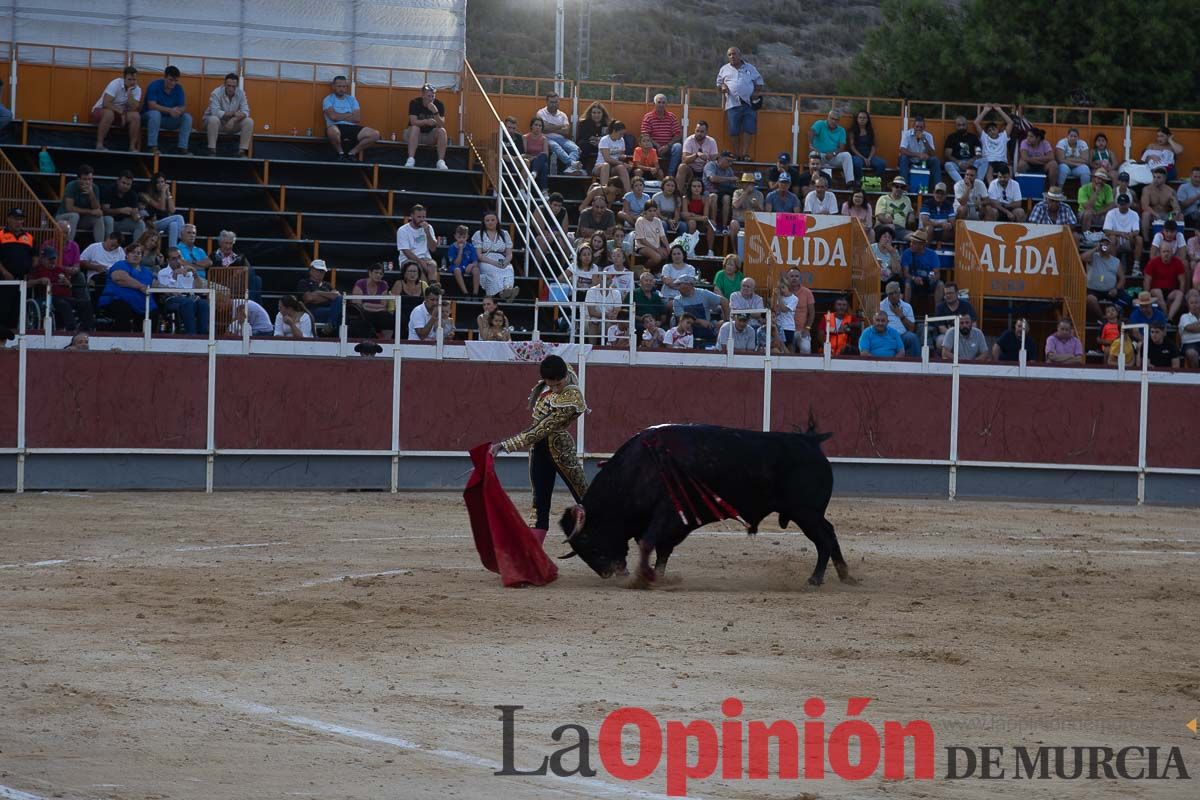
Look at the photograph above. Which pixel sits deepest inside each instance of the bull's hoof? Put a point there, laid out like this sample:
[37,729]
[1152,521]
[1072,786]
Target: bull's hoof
[816,580]
[640,580]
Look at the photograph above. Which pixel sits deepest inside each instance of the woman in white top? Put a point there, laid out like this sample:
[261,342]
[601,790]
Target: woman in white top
[785,313]
[293,320]
[617,274]
[993,141]
[887,255]
[672,271]
[494,248]
[585,270]
[612,156]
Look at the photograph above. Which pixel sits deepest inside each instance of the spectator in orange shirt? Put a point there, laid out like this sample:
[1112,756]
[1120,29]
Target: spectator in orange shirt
[645,159]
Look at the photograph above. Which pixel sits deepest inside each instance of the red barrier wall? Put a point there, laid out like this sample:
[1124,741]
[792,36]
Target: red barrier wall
[1171,427]
[1064,422]
[455,406]
[110,399]
[9,372]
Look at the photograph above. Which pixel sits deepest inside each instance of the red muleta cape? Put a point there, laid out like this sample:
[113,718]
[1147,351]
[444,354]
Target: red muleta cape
[505,543]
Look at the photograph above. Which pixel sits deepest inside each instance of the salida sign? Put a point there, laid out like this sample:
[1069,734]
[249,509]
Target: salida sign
[822,253]
[1017,260]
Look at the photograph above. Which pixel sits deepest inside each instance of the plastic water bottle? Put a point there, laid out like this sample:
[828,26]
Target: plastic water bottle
[74,118]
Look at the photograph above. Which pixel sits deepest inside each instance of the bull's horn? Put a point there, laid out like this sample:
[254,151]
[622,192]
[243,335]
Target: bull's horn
[568,555]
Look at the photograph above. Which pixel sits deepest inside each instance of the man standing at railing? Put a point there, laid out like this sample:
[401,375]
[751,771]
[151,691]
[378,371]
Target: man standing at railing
[16,260]
[741,85]
[556,125]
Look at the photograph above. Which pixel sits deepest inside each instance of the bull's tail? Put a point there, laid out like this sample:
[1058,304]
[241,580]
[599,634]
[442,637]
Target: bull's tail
[812,431]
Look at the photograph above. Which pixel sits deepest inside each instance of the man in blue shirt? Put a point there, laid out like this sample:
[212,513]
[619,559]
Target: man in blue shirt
[880,341]
[1145,313]
[782,200]
[937,215]
[342,117]
[828,139]
[921,265]
[166,107]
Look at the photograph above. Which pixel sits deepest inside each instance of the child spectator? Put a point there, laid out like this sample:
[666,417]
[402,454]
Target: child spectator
[645,159]
[1112,341]
[463,260]
[680,337]
[652,336]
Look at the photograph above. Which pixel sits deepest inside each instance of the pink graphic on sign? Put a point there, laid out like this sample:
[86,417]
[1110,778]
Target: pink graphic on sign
[791,224]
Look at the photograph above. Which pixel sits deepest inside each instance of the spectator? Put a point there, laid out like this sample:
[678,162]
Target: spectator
[698,150]
[226,256]
[378,321]
[161,206]
[895,209]
[937,216]
[828,139]
[79,343]
[1071,152]
[972,344]
[597,218]
[835,326]
[494,247]
[963,149]
[190,309]
[1003,203]
[617,334]
[970,196]
[809,177]
[612,158]
[600,251]
[121,203]
[746,298]
[1161,351]
[1036,155]
[921,268]
[821,200]
[411,291]
[81,202]
[120,103]
[617,274]
[1193,255]
[537,160]
[747,199]
[1102,157]
[670,206]
[697,212]
[900,318]
[229,112]
[614,193]
[1123,187]
[590,130]
[719,185]
[71,312]
[665,133]
[650,238]
[190,253]
[653,337]
[166,107]
[729,278]
[1144,313]
[857,207]
[70,255]
[1188,196]
[784,311]
[426,125]
[416,242]
[16,262]
[152,256]
[645,159]
[1113,340]
[1008,346]
[880,340]
[1189,330]
[782,167]
[293,320]
[557,126]
[679,337]
[496,328]
[951,304]
[342,116]
[862,145]
[675,269]
[1052,210]
[368,349]
[887,255]
[97,257]
[805,310]
[1162,151]
[1062,346]
[423,321]
[1105,276]
[462,260]
[249,313]
[1169,238]
[917,150]
[127,292]
[585,272]
[741,86]
[634,202]
[1121,227]
[782,199]
[1095,199]
[648,302]
[1166,278]
[603,307]
[739,331]
[483,321]
[1158,201]
[708,308]
[778,346]
[993,142]
[321,299]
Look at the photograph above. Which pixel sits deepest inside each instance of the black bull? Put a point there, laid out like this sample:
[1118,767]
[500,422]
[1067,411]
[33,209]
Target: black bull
[669,480]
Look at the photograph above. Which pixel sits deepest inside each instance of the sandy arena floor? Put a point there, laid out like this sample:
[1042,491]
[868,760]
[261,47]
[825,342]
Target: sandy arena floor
[350,646]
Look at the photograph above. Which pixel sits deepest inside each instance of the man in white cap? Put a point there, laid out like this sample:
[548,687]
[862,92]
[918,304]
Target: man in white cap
[1052,210]
[322,300]
[895,210]
[901,318]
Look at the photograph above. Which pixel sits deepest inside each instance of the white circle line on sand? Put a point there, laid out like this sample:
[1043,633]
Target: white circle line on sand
[339,578]
[587,786]
[47,563]
[202,547]
[9,793]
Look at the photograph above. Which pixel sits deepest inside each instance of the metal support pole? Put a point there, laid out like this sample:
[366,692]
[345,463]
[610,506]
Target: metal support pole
[767,366]
[1143,404]
[581,373]
[395,480]
[22,379]
[954,392]
[146,323]
[559,20]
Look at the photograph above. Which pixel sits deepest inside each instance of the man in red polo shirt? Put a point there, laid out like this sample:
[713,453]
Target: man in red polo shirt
[666,133]
[1166,278]
[16,260]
